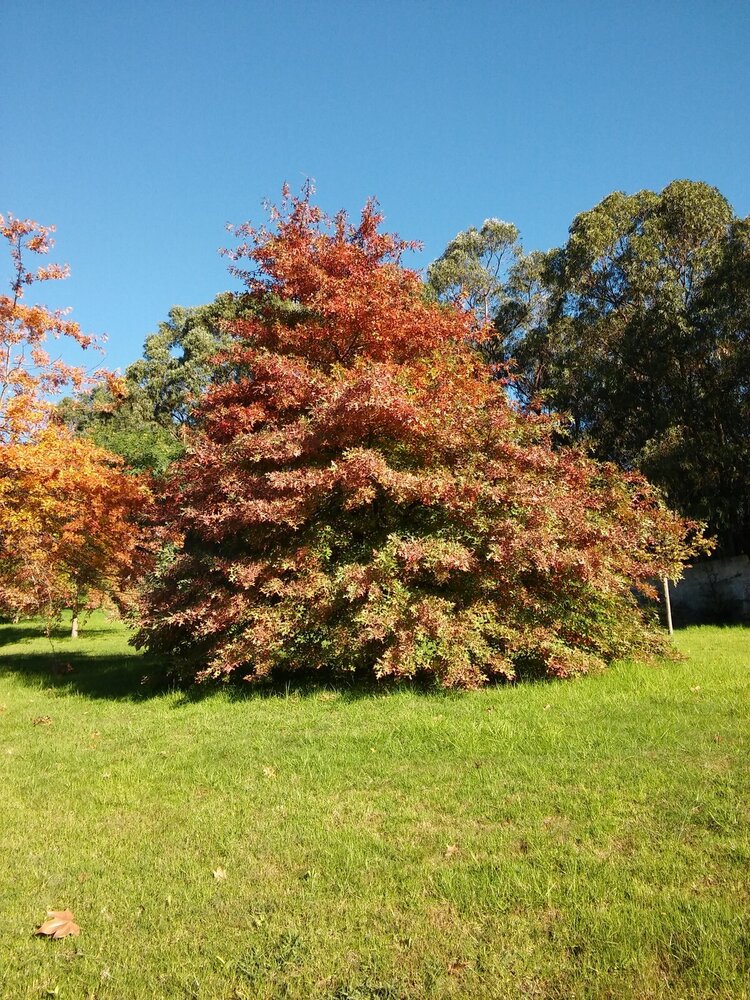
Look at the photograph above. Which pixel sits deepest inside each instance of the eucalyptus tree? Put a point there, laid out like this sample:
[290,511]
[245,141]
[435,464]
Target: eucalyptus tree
[149,423]
[473,268]
[645,345]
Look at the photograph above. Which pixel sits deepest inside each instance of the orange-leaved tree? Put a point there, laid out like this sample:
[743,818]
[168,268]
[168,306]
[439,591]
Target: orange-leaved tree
[362,496]
[69,514]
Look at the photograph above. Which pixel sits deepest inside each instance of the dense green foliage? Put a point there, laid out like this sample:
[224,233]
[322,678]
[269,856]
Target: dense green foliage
[638,331]
[147,421]
[600,830]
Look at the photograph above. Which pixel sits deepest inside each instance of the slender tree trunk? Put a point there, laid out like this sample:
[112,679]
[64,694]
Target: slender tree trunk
[668,606]
[74,623]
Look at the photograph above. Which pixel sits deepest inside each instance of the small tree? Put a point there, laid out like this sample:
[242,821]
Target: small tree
[361,495]
[473,269]
[69,515]
[69,531]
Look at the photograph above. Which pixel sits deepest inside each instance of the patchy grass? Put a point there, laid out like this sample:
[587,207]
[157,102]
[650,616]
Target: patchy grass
[552,840]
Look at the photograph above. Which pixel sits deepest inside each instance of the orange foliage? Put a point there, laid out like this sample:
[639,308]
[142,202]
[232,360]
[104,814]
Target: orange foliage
[69,513]
[68,517]
[29,375]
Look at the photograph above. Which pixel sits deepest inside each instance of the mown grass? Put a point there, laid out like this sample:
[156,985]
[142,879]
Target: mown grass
[564,840]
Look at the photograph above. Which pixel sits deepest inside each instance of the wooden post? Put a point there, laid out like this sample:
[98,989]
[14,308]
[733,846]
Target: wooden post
[668,606]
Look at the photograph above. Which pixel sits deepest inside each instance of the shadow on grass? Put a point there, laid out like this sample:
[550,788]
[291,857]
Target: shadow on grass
[140,678]
[12,634]
[90,675]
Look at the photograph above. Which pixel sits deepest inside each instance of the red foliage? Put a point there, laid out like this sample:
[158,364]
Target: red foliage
[362,495]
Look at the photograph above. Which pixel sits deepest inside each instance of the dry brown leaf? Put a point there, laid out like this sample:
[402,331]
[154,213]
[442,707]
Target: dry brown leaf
[219,874]
[42,720]
[59,924]
[454,968]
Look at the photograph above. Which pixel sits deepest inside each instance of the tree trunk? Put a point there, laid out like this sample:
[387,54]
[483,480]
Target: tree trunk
[668,606]
[74,622]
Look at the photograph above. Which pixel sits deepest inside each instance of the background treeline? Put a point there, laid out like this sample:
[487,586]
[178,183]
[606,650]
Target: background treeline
[634,333]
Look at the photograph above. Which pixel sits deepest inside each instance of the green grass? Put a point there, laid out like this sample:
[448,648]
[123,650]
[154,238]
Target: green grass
[563,840]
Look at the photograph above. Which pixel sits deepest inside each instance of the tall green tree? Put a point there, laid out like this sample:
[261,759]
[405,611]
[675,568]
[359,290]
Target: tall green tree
[149,423]
[643,344]
[473,269]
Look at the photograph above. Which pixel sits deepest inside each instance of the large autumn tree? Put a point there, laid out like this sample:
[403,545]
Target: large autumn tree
[361,495]
[69,514]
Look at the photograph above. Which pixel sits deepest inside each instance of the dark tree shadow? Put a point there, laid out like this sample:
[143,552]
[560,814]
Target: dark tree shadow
[140,678]
[119,678]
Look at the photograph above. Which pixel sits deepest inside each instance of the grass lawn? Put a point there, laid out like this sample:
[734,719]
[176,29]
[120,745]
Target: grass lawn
[551,840]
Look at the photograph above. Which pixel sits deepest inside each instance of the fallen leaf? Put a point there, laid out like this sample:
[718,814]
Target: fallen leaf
[219,874]
[59,924]
[42,720]
[450,850]
[458,966]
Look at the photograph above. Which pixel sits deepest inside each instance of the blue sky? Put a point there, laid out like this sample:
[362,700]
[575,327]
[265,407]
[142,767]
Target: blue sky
[139,129]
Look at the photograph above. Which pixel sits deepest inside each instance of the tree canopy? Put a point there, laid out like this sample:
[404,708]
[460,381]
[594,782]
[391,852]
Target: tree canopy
[636,331]
[360,494]
[69,516]
[147,420]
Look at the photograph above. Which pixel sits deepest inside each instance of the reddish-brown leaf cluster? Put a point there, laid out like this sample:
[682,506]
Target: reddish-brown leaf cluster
[362,495]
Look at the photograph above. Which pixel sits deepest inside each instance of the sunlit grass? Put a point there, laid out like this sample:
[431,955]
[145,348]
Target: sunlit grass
[583,839]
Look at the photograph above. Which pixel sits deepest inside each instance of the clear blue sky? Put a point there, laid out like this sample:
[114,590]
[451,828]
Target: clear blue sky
[140,128]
